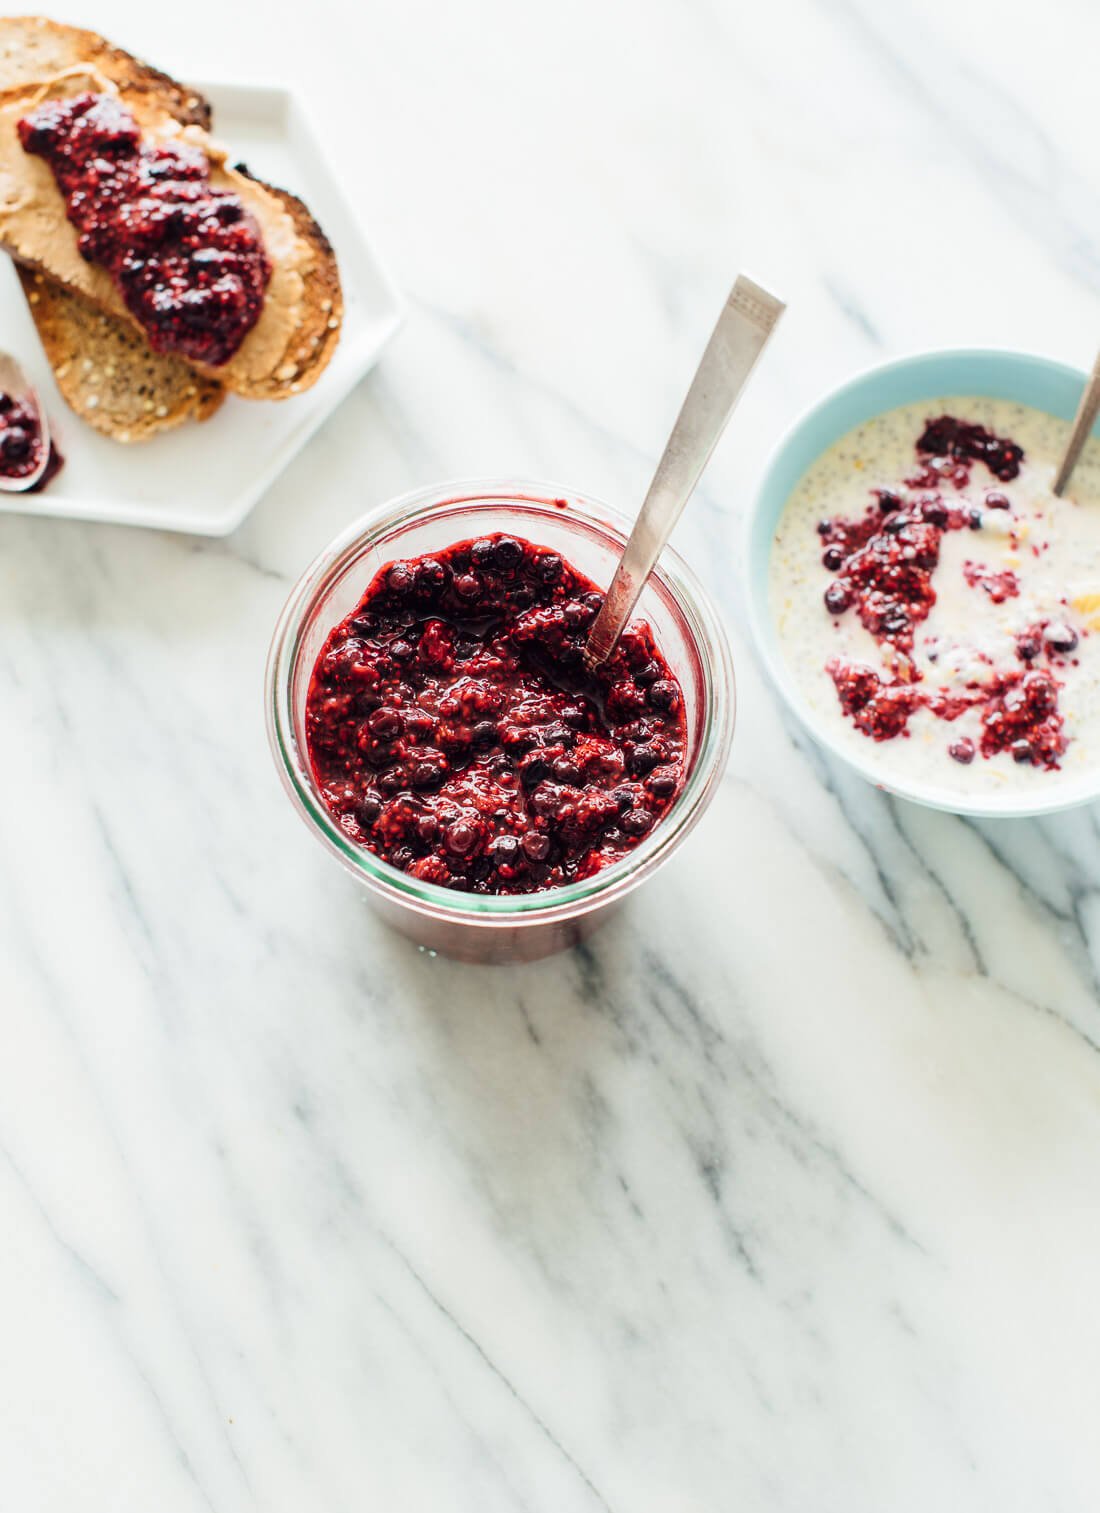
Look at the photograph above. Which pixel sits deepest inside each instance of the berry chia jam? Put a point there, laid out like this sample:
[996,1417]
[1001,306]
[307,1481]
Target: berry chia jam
[938,604]
[187,258]
[453,730]
[21,443]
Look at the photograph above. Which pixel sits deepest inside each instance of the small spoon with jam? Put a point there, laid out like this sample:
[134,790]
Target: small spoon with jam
[26,451]
[748,319]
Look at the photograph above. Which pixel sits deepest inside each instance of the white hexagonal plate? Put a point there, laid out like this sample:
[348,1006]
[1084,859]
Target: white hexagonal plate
[205,478]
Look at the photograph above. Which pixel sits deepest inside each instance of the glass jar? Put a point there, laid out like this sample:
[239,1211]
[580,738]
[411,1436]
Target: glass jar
[590,536]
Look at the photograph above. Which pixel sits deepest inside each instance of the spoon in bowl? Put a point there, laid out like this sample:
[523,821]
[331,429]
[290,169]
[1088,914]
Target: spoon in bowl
[1081,429]
[748,319]
[15,384]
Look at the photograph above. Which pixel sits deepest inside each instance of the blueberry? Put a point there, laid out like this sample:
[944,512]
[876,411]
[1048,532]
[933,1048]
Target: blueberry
[507,554]
[661,782]
[504,850]
[534,770]
[16,444]
[1060,638]
[1028,646]
[385,724]
[648,673]
[426,771]
[484,733]
[1021,750]
[887,501]
[401,650]
[557,733]
[466,586]
[399,579]
[974,520]
[460,837]
[370,807]
[962,750]
[664,694]
[934,512]
[546,800]
[636,821]
[643,759]
[481,554]
[548,567]
[567,772]
[995,500]
[427,828]
[577,615]
[430,574]
[536,846]
[838,598]
[833,558]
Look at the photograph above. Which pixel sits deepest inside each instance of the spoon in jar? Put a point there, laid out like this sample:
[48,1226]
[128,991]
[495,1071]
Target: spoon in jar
[748,319]
[17,387]
[1081,429]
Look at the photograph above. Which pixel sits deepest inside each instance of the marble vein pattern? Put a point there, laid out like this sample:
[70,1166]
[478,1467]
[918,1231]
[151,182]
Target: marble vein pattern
[783,1193]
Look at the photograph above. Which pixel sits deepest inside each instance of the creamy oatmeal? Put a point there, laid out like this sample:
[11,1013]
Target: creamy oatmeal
[937,605]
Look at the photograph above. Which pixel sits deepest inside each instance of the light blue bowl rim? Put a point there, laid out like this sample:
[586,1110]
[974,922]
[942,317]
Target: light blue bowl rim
[995,372]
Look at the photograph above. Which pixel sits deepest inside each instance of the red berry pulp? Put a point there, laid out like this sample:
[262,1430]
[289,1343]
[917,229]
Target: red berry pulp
[454,731]
[187,258]
[21,443]
[885,563]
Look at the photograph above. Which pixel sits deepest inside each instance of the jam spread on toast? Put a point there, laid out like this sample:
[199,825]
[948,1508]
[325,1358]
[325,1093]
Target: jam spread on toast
[186,257]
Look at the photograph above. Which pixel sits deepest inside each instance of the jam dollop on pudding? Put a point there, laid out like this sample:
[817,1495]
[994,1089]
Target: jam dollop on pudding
[186,257]
[21,442]
[454,731]
[939,601]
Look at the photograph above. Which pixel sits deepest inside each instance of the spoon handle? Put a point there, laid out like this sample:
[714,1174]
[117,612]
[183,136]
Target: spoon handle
[747,320]
[1082,427]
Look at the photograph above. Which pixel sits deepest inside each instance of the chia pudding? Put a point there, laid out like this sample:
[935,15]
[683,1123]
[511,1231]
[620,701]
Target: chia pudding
[938,606]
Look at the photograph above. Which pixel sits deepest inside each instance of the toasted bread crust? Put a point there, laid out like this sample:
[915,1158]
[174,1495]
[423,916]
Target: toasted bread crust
[323,306]
[107,372]
[32,43]
[33,48]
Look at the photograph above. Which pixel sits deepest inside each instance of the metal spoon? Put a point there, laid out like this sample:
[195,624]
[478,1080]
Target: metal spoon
[15,382]
[747,320]
[1082,428]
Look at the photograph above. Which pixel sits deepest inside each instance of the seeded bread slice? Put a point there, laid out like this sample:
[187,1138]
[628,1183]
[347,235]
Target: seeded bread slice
[298,328]
[107,372]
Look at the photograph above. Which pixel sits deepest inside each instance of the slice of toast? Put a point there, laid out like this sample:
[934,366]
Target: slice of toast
[106,372]
[298,328]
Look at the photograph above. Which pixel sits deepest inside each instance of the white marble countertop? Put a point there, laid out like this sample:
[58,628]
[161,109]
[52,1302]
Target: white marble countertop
[783,1194]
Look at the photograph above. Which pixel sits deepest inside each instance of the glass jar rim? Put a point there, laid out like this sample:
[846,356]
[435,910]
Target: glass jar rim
[386,521]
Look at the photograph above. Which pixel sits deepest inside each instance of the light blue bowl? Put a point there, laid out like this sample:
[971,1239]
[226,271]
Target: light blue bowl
[1018,376]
